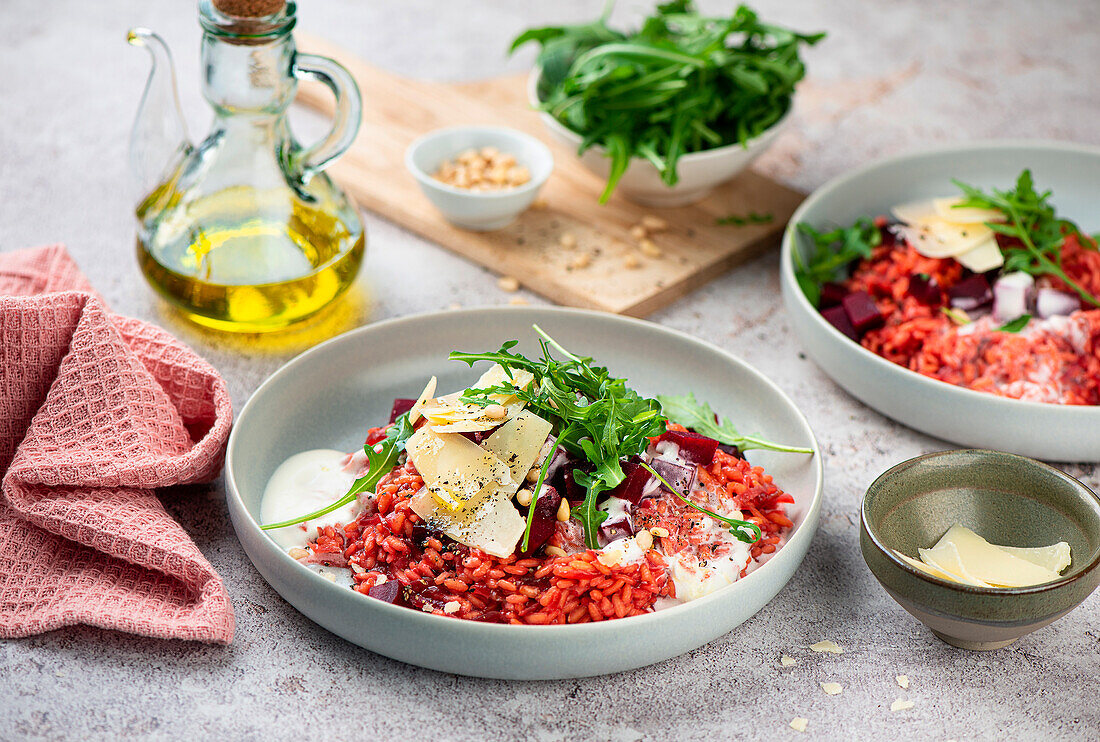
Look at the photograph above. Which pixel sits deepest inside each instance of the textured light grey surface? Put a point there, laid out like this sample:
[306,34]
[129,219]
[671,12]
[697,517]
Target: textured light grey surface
[893,76]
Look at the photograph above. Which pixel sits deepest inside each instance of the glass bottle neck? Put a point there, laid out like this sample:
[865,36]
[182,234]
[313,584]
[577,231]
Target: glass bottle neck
[255,79]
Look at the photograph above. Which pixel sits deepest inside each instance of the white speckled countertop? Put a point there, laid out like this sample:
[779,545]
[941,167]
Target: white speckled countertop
[893,76]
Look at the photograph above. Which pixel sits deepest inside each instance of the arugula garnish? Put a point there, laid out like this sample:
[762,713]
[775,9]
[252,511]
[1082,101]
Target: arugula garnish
[1033,221]
[832,253]
[736,526]
[698,416]
[1015,325]
[381,459]
[737,220]
[682,83]
[593,415]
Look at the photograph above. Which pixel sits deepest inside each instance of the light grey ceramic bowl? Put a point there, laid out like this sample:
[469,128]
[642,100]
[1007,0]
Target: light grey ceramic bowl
[699,172]
[329,396]
[1006,499]
[963,416]
[479,211]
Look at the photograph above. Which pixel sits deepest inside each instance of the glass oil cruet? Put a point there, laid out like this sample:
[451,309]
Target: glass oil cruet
[244,232]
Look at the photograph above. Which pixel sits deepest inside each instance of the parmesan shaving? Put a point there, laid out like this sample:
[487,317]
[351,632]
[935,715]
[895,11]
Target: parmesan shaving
[827,645]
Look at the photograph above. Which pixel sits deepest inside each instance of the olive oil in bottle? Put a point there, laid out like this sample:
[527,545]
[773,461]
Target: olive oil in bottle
[248,261]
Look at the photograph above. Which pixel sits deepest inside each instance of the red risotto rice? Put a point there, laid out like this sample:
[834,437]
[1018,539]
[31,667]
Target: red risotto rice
[1056,360]
[563,582]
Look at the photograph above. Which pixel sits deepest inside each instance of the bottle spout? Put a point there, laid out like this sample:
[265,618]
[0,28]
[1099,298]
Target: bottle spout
[159,140]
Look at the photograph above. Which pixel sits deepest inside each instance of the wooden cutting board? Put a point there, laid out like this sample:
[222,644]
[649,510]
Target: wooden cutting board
[693,250]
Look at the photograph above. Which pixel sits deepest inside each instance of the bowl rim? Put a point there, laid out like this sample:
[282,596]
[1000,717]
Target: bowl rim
[236,502]
[899,468]
[425,179]
[787,277]
[692,157]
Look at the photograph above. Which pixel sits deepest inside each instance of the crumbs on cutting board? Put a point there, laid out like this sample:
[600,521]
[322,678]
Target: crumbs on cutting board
[798,724]
[903,681]
[901,705]
[833,689]
[786,661]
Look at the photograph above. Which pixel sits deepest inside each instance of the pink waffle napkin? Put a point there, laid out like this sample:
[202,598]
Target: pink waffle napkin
[96,411]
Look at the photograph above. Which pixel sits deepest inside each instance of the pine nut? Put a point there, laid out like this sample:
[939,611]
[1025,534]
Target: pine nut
[649,249]
[494,411]
[298,553]
[638,232]
[631,261]
[563,510]
[508,283]
[487,170]
[659,532]
[654,223]
[533,475]
[524,497]
[644,539]
[554,551]
[568,240]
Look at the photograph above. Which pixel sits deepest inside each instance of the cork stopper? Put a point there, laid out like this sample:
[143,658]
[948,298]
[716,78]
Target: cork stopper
[249,8]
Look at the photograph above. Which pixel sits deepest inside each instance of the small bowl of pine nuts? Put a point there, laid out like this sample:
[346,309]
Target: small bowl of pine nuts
[480,177]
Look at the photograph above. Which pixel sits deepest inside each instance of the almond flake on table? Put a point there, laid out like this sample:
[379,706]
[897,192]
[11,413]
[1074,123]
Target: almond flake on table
[833,689]
[903,681]
[786,661]
[901,705]
[798,724]
[827,645]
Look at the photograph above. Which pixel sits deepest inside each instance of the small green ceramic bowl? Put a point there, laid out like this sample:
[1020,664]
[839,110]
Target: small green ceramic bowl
[1006,499]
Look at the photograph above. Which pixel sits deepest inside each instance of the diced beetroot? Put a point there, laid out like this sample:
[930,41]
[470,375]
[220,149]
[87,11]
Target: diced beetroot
[888,232]
[615,529]
[423,593]
[698,449]
[832,294]
[636,484]
[680,476]
[400,407]
[862,312]
[731,450]
[838,318]
[544,520]
[568,485]
[973,292]
[925,289]
[388,592]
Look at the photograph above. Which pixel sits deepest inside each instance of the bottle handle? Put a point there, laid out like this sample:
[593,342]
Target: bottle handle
[309,161]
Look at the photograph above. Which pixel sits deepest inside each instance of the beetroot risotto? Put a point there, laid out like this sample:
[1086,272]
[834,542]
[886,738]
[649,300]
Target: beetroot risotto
[549,492]
[992,292]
